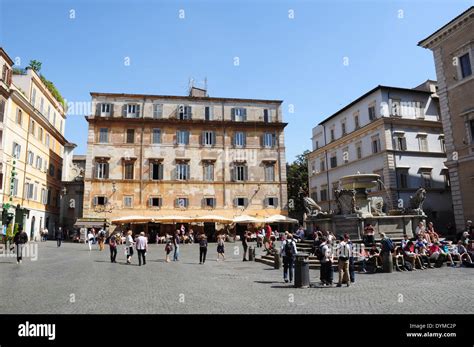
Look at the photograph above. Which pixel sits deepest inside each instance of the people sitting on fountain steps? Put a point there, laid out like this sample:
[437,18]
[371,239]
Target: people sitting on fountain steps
[375,258]
[411,257]
[404,241]
[299,234]
[288,251]
[438,256]
[326,263]
[398,261]
[343,252]
[460,252]
[422,252]
[369,232]
[420,229]
[387,244]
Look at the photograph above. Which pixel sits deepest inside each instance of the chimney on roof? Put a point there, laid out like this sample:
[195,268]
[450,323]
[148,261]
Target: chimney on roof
[198,92]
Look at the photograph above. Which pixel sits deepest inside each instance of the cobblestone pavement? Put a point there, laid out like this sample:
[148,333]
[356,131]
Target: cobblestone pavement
[72,279]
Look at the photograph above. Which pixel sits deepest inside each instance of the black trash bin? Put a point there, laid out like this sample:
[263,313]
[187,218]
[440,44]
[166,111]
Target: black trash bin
[387,264]
[302,270]
[251,253]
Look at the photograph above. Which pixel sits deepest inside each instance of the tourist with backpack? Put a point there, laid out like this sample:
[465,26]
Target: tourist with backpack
[202,248]
[288,251]
[326,258]
[344,252]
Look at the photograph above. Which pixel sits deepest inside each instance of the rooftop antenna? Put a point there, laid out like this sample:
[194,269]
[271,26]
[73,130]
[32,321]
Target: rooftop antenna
[205,86]
[190,84]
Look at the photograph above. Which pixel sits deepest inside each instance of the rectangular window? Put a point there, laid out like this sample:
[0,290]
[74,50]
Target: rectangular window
[423,143]
[271,202]
[395,107]
[267,118]
[208,172]
[102,170]
[208,138]
[182,137]
[239,114]
[47,140]
[332,135]
[345,155]
[333,161]
[30,158]
[442,143]
[471,127]
[269,140]
[208,113]
[239,139]
[130,135]
[16,152]
[39,162]
[14,187]
[105,110]
[156,136]
[324,193]
[465,65]
[209,202]
[51,170]
[100,200]
[402,178]
[322,165]
[156,171]
[128,170]
[356,122]
[132,111]
[270,172]
[372,113]
[41,105]
[32,127]
[44,196]
[182,172]
[19,117]
[127,201]
[54,119]
[48,115]
[375,144]
[40,134]
[184,112]
[241,202]
[33,97]
[343,126]
[182,202]
[157,111]
[104,135]
[61,126]
[400,143]
[359,150]
[240,173]
[155,202]
[426,178]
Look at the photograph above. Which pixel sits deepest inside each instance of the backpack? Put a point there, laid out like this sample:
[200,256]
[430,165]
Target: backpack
[319,252]
[388,245]
[289,250]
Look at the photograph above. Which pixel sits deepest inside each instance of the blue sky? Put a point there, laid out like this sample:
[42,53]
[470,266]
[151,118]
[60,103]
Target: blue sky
[298,60]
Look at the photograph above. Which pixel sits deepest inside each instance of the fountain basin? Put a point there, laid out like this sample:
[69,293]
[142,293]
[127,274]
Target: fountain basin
[359,181]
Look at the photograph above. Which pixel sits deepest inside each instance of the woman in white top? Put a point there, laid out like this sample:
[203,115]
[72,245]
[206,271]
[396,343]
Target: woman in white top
[420,229]
[129,246]
[90,238]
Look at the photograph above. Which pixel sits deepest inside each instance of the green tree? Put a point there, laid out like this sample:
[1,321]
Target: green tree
[297,176]
[35,65]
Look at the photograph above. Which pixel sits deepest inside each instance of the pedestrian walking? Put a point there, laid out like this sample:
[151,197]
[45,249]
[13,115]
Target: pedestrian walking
[20,239]
[245,239]
[168,249]
[113,248]
[101,238]
[176,240]
[288,250]
[326,263]
[202,248]
[220,247]
[351,258]
[343,262]
[142,248]
[45,234]
[129,246]
[90,239]
[59,236]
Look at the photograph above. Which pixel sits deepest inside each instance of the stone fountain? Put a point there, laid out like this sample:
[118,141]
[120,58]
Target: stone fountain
[355,209]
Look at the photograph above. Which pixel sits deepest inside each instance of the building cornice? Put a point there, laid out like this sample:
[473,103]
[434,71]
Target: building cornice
[187,98]
[186,122]
[448,29]
[6,56]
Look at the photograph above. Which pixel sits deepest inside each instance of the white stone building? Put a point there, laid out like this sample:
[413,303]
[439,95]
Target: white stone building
[394,132]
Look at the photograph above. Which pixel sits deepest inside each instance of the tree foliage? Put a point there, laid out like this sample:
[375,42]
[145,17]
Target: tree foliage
[297,176]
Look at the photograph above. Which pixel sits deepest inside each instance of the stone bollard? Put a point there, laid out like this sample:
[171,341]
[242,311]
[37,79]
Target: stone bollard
[387,264]
[251,253]
[277,259]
